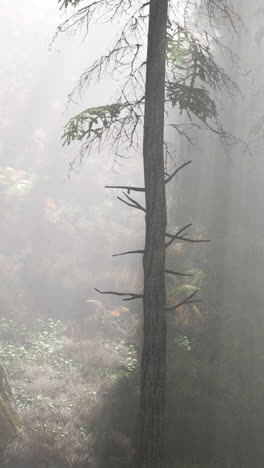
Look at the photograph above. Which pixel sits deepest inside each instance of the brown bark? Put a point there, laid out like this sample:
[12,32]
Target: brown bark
[153,371]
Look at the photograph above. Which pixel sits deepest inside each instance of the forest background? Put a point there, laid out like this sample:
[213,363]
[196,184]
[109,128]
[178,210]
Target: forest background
[73,363]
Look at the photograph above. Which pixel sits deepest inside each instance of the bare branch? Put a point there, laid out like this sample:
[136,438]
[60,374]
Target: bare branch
[126,203]
[129,252]
[125,187]
[186,301]
[172,236]
[131,296]
[136,204]
[176,273]
[180,235]
[184,129]
[224,9]
[133,205]
[144,5]
[176,172]
[193,241]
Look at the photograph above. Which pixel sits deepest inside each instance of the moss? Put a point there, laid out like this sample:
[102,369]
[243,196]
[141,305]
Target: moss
[9,419]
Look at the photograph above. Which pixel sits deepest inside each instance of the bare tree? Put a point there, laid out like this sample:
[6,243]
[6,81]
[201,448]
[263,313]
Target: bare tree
[161,64]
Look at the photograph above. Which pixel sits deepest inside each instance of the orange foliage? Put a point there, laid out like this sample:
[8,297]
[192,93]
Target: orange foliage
[118,312]
[51,204]
[113,312]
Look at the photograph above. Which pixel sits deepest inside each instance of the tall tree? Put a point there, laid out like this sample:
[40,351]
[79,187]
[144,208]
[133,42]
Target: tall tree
[184,83]
[153,374]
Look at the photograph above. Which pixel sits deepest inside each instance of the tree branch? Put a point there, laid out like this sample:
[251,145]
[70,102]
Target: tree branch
[193,241]
[125,202]
[131,296]
[135,296]
[173,237]
[185,301]
[137,205]
[133,204]
[176,172]
[129,252]
[182,237]
[176,273]
[125,187]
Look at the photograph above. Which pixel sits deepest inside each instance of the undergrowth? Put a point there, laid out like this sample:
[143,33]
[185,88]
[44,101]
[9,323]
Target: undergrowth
[61,386]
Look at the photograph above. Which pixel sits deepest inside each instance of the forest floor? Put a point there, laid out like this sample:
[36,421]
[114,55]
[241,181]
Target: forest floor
[69,385]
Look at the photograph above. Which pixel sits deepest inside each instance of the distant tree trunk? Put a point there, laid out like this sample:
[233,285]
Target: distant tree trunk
[9,419]
[153,371]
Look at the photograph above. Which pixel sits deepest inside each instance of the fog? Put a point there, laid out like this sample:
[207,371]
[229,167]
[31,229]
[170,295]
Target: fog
[37,76]
[72,355]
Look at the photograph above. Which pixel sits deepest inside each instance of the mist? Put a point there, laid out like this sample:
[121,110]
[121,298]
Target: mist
[70,369]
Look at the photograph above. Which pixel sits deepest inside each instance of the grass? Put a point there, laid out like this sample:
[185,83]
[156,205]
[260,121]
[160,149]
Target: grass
[64,386]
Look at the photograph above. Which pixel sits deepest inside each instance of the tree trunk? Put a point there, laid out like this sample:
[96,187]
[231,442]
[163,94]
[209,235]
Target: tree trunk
[9,419]
[153,370]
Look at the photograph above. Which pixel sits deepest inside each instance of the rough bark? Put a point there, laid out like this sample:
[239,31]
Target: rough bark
[9,420]
[153,373]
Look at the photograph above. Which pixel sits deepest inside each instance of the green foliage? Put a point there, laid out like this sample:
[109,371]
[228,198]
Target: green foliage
[194,61]
[195,100]
[181,288]
[91,123]
[60,383]
[14,182]
[61,212]
[183,343]
[20,347]
[129,362]
[66,3]
[178,51]
[194,73]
